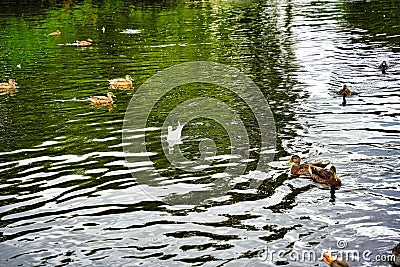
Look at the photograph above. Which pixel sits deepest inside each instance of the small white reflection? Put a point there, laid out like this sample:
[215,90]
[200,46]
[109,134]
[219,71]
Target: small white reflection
[174,137]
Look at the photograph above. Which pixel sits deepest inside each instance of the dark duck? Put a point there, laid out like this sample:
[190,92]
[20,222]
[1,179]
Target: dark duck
[383,67]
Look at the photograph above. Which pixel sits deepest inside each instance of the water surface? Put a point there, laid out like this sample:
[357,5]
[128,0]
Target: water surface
[68,197]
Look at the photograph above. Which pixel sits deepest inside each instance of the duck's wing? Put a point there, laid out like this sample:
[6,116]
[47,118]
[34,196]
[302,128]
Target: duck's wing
[322,173]
[323,176]
[301,169]
[99,98]
[321,164]
[118,80]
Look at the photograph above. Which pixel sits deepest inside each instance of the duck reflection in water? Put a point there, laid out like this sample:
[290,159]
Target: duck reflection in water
[174,137]
[333,197]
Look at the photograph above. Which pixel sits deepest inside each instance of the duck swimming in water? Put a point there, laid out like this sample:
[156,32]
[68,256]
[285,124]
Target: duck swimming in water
[334,262]
[299,168]
[324,176]
[10,85]
[57,32]
[345,91]
[102,100]
[88,42]
[122,83]
[383,66]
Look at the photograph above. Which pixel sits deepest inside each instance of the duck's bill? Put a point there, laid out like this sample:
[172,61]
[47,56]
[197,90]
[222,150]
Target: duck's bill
[328,259]
[335,176]
[289,162]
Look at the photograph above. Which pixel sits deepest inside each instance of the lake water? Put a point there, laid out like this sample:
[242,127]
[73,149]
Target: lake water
[75,191]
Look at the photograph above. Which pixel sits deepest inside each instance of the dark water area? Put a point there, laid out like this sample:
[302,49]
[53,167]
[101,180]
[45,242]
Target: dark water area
[71,194]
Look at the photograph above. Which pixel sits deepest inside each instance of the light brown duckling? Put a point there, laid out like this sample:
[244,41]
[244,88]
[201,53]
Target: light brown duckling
[88,42]
[57,32]
[334,262]
[345,91]
[299,168]
[102,100]
[122,83]
[10,85]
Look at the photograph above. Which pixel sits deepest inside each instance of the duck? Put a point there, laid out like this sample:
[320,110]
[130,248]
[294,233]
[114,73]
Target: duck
[102,100]
[324,176]
[88,42]
[396,256]
[10,85]
[299,168]
[334,262]
[383,66]
[345,91]
[122,83]
[57,32]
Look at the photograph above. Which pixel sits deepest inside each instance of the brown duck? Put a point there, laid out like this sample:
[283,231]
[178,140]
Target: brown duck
[88,42]
[57,32]
[102,100]
[10,85]
[324,176]
[345,91]
[299,168]
[122,83]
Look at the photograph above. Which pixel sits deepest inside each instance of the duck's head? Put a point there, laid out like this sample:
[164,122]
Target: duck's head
[89,40]
[128,77]
[294,159]
[384,62]
[110,94]
[334,262]
[333,171]
[11,81]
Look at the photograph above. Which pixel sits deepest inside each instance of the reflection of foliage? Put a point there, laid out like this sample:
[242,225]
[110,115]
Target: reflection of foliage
[374,20]
[236,33]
